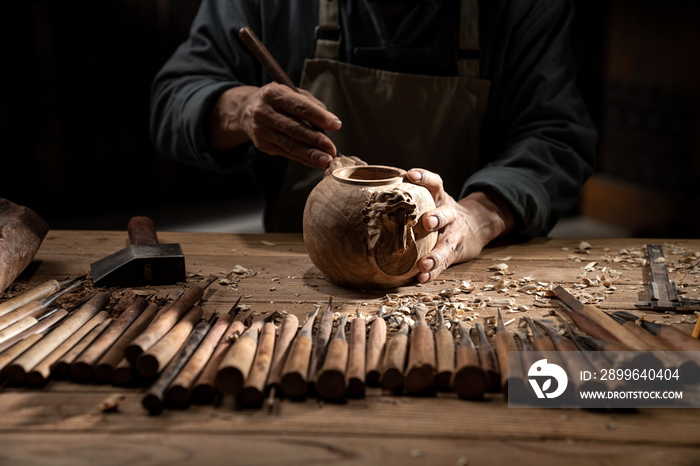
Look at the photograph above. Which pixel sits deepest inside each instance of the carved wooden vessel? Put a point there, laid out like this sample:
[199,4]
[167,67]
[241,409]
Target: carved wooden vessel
[362,228]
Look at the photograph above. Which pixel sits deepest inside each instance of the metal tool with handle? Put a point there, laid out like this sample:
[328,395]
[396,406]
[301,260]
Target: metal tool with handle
[144,262]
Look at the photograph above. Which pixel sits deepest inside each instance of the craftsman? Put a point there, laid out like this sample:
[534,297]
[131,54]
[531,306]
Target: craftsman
[399,83]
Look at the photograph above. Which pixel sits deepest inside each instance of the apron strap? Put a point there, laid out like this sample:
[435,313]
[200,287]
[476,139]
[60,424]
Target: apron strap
[469,54]
[328,35]
[328,32]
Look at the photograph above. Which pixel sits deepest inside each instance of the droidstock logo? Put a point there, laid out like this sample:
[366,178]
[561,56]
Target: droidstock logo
[542,370]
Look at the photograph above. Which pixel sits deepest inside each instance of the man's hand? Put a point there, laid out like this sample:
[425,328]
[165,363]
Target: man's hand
[274,117]
[463,227]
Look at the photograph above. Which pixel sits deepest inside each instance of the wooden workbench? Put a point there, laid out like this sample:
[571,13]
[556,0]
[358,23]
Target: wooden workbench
[62,424]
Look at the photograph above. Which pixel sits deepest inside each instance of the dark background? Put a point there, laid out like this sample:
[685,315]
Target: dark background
[74,115]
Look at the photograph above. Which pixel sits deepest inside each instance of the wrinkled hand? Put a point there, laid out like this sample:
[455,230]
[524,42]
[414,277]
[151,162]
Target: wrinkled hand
[274,118]
[463,227]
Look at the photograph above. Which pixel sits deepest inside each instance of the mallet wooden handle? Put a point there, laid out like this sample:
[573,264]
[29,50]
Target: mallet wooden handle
[164,322]
[154,399]
[288,330]
[6,357]
[236,365]
[88,332]
[115,354]
[375,350]
[17,372]
[17,327]
[142,231]
[180,389]
[254,388]
[420,369]
[356,358]
[445,353]
[394,361]
[159,355]
[40,327]
[82,367]
[39,292]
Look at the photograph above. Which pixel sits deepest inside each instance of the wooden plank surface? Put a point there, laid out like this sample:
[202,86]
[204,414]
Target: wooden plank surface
[380,429]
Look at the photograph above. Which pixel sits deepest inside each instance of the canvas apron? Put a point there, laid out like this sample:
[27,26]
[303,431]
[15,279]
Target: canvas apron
[401,120]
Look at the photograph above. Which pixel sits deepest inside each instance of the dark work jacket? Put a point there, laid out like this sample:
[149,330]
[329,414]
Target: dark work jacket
[537,140]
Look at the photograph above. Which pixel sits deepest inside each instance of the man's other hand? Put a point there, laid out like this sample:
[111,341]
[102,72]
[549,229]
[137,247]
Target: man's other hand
[463,227]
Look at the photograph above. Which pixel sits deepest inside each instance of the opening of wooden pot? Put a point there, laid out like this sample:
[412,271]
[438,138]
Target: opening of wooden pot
[368,174]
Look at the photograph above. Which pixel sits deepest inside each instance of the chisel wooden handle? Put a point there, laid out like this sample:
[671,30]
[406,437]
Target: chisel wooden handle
[254,388]
[619,332]
[288,329]
[393,363]
[205,388]
[375,351]
[654,343]
[356,358]
[123,373]
[6,357]
[677,339]
[296,367]
[142,231]
[468,379]
[505,344]
[155,398]
[40,327]
[82,367]
[445,353]
[323,335]
[590,327]
[41,372]
[115,354]
[61,369]
[420,369]
[17,372]
[164,322]
[32,309]
[35,294]
[488,360]
[542,343]
[180,389]
[17,327]
[265,58]
[159,355]
[330,382]
[236,365]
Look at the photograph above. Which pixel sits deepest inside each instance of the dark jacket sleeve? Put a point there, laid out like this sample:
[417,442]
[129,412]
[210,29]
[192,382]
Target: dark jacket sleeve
[538,142]
[193,78]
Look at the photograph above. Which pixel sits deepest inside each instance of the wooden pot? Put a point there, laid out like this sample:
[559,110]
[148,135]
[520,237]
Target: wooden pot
[362,227]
